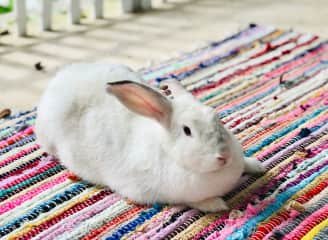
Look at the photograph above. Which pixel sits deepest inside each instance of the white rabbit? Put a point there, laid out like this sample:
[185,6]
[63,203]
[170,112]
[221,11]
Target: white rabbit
[109,128]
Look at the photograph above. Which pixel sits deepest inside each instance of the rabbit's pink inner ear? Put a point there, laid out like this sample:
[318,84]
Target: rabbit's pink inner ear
[143,100]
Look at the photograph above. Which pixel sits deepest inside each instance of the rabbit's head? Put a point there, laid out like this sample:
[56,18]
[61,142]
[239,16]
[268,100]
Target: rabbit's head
[200,142]
[195,139]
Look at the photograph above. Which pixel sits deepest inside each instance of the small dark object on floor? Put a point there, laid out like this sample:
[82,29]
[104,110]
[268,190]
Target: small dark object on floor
[275,97]
[5,113]
[304,132]
[38,66]
[277,235]
[214,44]
[4,33]
[252,25]
[303,107]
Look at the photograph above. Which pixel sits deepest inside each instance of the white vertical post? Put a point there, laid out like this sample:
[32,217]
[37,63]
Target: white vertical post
[98,8]
[46,14]
[74,11]
[21,17]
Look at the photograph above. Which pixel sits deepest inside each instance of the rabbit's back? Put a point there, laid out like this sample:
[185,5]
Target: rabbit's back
[76,117]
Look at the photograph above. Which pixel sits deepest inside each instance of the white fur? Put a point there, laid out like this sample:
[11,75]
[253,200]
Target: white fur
[101,140]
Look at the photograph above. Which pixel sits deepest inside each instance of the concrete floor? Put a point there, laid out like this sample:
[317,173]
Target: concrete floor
[140,40]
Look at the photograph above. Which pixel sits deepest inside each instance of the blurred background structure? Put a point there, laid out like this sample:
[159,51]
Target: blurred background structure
[140,39]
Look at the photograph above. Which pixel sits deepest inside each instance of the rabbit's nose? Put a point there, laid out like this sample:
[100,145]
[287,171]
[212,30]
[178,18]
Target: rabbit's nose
[222,160]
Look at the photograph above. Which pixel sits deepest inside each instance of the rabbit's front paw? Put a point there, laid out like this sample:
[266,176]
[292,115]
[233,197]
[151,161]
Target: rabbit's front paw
[253,166]
[210,205]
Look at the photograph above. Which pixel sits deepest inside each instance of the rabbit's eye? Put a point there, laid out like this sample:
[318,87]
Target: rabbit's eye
[187,130]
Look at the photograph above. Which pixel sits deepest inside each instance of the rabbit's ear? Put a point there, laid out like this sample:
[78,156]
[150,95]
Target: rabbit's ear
[143,100]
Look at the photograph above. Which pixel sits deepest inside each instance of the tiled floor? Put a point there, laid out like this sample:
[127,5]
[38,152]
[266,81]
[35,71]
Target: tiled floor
[143,39]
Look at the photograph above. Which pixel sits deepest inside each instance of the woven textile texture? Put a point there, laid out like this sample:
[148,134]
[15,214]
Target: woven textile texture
[269,86]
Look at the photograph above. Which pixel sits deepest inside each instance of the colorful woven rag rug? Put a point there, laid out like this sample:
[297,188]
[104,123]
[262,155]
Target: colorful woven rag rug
[269,86]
